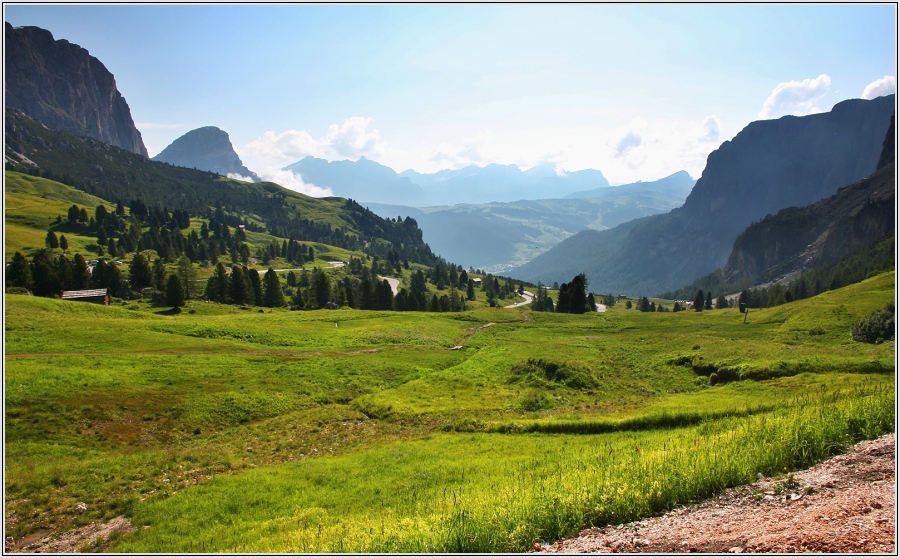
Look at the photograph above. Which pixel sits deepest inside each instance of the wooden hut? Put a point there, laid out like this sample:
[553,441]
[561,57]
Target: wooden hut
[97,296]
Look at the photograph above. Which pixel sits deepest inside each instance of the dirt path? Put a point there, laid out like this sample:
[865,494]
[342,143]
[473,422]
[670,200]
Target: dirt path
[529,297]
[846,504]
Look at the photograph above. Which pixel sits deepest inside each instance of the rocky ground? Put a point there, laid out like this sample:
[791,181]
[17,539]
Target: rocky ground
[846,504]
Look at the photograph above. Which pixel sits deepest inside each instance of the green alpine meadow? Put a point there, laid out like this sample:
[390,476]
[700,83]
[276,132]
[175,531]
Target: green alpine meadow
[229,430]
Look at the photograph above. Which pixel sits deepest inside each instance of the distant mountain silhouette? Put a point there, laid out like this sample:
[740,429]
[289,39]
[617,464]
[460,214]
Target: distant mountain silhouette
[372,182]
[768,166]
[207,148]
[678,184]
[359,180]
[62,86]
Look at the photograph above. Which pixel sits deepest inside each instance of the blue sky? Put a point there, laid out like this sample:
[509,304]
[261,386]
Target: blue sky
[636,91]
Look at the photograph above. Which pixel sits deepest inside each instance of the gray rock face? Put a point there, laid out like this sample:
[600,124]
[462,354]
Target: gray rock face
[207,148]
[62,86]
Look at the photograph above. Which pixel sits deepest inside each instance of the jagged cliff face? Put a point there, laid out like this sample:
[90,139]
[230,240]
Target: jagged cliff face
[207,148]
[799,238]
[62,86]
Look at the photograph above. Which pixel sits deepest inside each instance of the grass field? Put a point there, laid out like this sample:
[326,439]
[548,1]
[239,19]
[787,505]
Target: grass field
[328,431]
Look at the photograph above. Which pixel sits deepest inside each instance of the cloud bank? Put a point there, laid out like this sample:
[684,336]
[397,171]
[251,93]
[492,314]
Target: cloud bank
[293,182]
[796,97]
[351,140]
[880,87]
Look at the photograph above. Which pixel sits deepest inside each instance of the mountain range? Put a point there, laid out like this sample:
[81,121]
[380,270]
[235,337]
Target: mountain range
[768,166]
[371,182]
[498,236]
[62,86]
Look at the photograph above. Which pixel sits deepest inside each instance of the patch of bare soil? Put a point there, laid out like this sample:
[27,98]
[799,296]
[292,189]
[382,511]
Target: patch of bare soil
[90,538]
[846,504]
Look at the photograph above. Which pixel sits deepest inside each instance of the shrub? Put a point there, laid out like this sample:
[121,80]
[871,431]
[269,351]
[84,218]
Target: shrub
[537,372]
[877,325]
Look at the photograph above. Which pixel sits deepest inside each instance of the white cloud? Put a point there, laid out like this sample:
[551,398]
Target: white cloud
[796,97]
[293,181]
[712,129]
[469,152]
[647,150]
[627,143]
[236,176]
[351,140]
[880,87]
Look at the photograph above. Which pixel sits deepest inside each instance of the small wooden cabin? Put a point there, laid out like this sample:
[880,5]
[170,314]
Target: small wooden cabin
[97,296]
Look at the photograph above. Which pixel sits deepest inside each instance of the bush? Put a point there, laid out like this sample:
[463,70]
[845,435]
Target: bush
[543,373]
[877,325]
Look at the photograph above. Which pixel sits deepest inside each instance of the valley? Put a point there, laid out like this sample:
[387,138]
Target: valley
[299,349]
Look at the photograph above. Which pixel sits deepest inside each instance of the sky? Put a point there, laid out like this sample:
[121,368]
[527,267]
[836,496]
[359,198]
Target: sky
[636,91]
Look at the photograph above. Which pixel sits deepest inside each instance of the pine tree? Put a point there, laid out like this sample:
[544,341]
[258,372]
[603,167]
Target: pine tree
[255,285]
[237,286]
[699,301]
[159,275]
[51,241]
[721,302]
[18,273]
[174,292]
[139,273]
[186,274]
[708,304]
[274,296]
[80,276]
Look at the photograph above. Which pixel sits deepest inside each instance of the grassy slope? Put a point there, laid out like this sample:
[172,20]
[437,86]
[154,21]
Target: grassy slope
[32,205]
[121,421]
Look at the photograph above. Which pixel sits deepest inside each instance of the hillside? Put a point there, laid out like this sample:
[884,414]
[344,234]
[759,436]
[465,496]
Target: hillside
[499,236]
[848,230]
[770,165]
[62,86]
[114,174]
[207,148]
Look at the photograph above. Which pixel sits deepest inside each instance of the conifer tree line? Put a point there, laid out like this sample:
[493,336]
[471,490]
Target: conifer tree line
[868,260]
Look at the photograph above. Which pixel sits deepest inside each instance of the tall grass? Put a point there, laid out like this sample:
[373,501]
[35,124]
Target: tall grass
[472,493]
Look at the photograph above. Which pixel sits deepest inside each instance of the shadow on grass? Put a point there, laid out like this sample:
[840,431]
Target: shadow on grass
[169,312]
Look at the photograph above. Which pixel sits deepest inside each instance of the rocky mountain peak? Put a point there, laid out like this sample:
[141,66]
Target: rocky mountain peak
[207,148]
[62,86]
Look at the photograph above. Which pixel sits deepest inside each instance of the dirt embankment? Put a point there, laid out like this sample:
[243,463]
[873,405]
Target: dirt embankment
[846,504]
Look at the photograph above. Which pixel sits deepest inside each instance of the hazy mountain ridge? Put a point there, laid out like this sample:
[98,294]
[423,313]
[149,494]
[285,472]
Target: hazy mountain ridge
[62,86]
[770,165]
[376,183]
[207,148]
[498,236]
[677,184]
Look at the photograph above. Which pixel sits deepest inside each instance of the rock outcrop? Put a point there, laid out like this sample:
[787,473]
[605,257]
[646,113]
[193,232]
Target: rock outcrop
[207,148]
[62,86]
[799,238]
